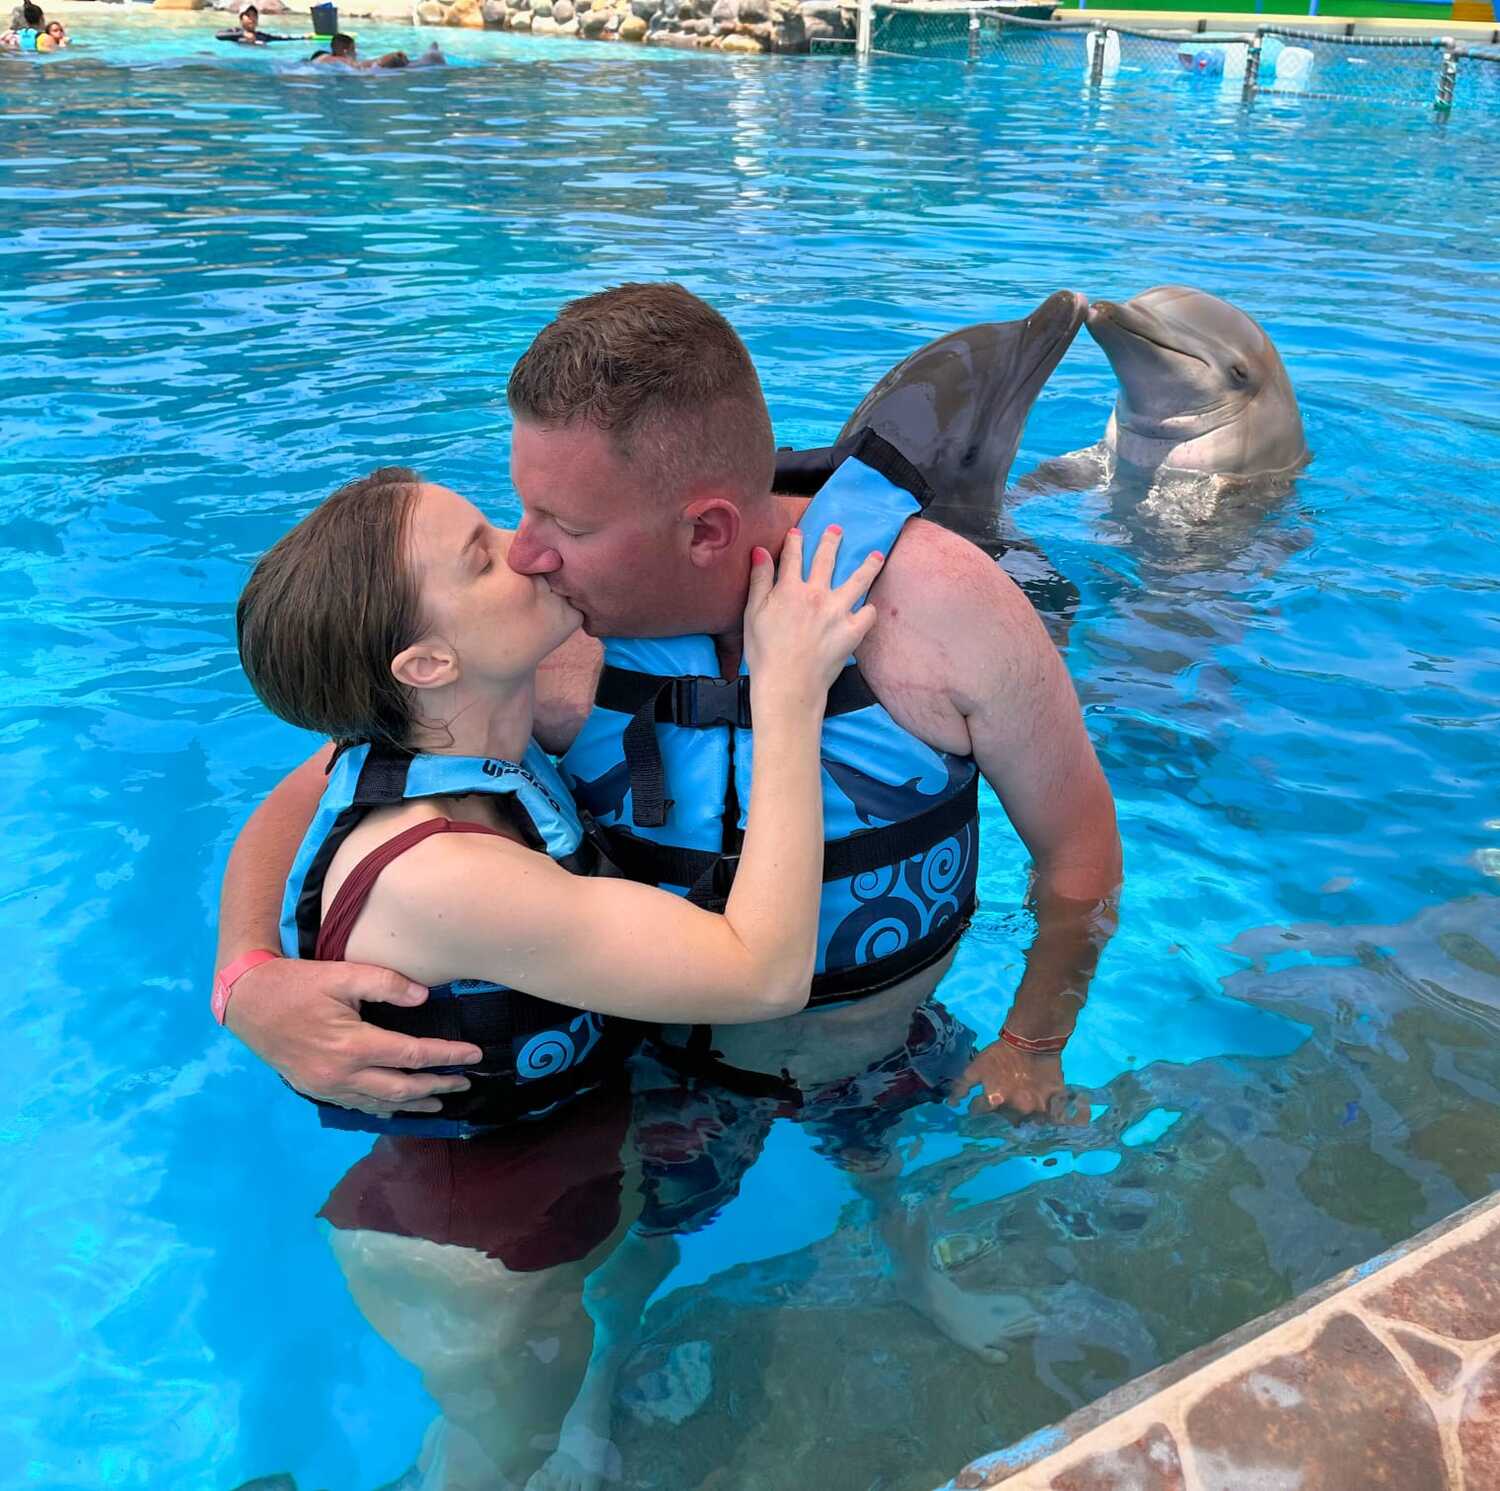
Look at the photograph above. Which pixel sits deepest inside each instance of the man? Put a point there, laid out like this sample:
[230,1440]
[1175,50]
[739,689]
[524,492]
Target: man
[643,457]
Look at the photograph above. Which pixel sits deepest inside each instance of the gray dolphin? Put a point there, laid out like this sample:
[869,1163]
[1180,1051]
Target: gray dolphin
[1202,388]
[956,407]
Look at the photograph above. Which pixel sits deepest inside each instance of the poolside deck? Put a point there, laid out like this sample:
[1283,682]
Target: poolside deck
[1387,1376]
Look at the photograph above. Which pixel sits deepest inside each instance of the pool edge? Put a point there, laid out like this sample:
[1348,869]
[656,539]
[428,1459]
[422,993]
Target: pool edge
[1150,1429]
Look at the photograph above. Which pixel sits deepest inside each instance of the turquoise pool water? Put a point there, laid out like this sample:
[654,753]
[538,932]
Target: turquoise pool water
[228,284]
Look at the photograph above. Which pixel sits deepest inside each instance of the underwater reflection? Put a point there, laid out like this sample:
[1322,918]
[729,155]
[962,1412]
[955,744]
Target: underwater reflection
[469,1258]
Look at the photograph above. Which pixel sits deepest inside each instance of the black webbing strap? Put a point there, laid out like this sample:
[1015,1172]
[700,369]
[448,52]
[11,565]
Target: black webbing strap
[484,1019]
[804,473]
[697,702]
[648,775]
[698,1060]
[876,452]
[868,849]
[382,780]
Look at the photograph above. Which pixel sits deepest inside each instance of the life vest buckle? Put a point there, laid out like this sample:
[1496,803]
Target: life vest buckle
[700,701]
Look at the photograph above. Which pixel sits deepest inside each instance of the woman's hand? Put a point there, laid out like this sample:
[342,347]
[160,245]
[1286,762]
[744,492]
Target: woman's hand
[799,633]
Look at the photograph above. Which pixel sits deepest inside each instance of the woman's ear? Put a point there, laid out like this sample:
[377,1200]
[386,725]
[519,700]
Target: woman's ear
[429,664]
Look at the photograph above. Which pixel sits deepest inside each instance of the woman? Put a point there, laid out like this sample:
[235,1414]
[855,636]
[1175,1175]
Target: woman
[390,621]
[448,848]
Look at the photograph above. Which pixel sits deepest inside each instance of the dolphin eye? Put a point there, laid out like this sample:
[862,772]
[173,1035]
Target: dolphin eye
[1239,372]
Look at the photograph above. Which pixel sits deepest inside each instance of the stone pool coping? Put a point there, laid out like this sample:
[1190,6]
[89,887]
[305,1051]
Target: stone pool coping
[1387,1375]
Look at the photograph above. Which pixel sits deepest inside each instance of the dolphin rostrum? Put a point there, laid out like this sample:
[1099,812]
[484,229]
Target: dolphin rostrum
[1202,388]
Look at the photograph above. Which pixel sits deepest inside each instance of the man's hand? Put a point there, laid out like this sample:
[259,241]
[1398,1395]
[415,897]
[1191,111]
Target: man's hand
[302,1018]
[1024,1084]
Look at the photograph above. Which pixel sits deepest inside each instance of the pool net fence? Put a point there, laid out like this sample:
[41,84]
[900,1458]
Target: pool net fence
[1280,61]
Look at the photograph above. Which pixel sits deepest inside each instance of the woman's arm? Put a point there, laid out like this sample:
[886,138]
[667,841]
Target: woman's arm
[480,908]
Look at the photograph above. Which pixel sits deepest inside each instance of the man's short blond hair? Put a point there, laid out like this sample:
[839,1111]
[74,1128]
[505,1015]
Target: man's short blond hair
[666,375]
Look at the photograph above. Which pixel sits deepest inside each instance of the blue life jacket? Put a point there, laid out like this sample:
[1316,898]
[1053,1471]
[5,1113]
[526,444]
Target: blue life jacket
[26,38]
[664,761]
[537,1054]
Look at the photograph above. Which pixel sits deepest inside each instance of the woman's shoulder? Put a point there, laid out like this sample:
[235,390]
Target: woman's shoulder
[410,910]
[385,825]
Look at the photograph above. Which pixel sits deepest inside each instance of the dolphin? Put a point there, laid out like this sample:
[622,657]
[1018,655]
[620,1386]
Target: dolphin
[1202,389]
[955,409]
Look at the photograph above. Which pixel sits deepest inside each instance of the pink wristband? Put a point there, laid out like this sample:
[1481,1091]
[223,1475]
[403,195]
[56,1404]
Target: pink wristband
[226,978]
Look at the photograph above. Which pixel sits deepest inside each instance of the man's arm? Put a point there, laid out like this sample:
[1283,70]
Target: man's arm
[972,669]
[254,878]
[302,1018]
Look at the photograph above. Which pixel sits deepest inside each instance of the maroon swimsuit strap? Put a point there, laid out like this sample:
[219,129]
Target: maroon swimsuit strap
[338,924]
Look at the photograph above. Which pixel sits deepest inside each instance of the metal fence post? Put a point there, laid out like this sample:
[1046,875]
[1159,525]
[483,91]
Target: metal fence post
[1448,77]
[865,28]
[1096,63]
[973,36]
[1252,70]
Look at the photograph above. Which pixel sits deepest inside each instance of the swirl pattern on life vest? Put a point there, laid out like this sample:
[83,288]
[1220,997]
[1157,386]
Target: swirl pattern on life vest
[550,1051]
[897,904]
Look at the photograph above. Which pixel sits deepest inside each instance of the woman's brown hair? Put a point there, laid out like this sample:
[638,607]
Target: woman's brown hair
[329,606]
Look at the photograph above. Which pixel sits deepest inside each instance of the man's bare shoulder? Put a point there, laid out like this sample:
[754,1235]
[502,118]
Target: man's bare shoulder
[932,575]
[954,633]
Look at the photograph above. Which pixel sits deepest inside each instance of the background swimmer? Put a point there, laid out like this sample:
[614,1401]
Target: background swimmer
[343,53]
[249,34]
[26,31]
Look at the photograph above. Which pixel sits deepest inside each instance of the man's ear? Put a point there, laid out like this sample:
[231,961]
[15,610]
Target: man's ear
[428,664]
[716,523]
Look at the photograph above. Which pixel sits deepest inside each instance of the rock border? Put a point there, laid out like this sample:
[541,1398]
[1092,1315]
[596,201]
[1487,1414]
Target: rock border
[748,27]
